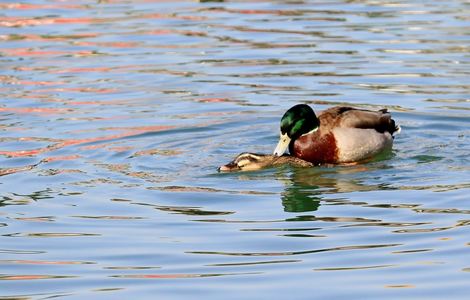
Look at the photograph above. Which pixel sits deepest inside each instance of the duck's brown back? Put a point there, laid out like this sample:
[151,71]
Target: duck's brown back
[349,117]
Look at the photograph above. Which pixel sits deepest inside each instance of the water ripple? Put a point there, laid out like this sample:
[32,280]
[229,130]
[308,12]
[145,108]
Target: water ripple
[114,116]
[288,253]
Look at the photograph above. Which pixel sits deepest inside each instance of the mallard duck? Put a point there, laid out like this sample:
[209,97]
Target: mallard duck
[338,135]
[254,161]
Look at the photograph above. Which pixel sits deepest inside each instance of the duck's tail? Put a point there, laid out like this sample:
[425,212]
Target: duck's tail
[396,131]
[392,127]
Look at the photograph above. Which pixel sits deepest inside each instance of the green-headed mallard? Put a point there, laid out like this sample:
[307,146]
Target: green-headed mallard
[338,135]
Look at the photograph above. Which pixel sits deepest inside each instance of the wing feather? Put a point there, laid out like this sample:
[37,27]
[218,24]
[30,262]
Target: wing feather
[349,117]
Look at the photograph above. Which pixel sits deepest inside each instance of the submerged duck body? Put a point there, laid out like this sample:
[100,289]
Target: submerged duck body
[254,161]
[338,135]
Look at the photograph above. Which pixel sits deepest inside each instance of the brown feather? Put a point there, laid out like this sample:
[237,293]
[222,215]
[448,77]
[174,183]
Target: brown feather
[349,117]
[318,147]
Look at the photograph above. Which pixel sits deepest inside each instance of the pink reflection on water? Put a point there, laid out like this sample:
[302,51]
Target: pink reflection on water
[33,52]
[79,89]
[26,6]
[40,110]
[47,38]
[20,22]
[128,131]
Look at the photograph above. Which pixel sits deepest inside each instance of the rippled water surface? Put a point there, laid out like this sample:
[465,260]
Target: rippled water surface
[115,115]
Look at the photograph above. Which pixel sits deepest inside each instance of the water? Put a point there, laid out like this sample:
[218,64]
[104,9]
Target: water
[115,115]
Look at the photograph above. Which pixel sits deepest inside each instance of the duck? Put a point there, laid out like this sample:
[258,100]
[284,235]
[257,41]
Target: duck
[247,161]
[338,135]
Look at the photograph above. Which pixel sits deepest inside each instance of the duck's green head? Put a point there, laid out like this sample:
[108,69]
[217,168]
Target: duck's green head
[298,120]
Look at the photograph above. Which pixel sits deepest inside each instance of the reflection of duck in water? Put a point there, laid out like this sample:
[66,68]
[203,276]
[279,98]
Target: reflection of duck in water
[307,188]
[337,135]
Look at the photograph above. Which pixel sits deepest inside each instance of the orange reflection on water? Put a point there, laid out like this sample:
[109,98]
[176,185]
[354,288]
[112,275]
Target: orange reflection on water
[33,52]
[256,11]
[40,110]
[176,31]
[128,131]
[22,153]
[36,219]
[172,16]
[109,44]
[93,147]
[81,90]
[19,22]
[165,276]
[31,277]
[24,277]
[47,38]
[30,82]
[82,70]
[121,148]
[26,6]
[9,171]
[213,100]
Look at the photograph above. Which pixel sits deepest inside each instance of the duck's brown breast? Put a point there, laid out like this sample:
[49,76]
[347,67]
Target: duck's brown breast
[317,148]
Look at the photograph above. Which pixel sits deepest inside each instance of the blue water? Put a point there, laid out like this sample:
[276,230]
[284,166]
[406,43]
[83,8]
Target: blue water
[115,115]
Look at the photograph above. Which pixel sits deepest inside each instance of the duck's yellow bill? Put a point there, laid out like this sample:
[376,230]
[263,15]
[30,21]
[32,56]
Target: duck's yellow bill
[282,146]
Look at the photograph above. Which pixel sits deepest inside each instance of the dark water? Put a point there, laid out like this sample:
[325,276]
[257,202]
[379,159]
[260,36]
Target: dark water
[114,116]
